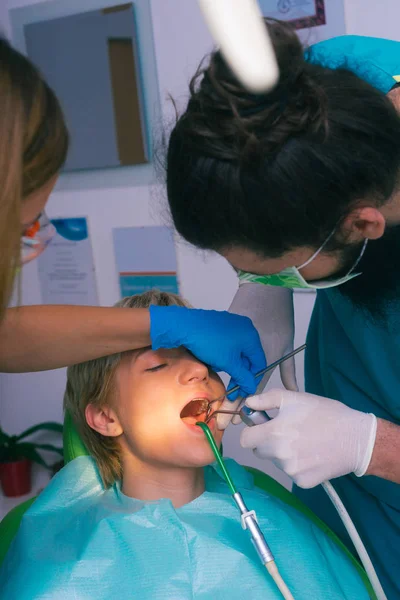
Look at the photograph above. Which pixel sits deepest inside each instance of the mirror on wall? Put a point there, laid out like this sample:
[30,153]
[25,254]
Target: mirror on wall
[91,61]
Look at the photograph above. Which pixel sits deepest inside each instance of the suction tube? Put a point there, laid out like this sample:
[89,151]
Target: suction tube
[249,520]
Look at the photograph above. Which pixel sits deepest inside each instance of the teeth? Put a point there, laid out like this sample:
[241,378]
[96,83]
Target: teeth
[195,408]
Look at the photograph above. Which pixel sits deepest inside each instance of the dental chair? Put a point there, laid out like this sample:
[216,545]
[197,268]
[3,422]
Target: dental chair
[74,447]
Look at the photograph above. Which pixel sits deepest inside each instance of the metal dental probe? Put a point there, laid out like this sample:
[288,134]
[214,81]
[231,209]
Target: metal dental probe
[271,366]
[255,417]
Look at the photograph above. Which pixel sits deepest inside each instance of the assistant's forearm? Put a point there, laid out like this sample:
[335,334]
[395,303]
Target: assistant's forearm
[385,461]
[37,338]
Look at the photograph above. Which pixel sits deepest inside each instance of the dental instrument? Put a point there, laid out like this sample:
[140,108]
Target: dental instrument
[252,417]
[249,520]
[249,416]
[257,417]
[238,28]
[272,366]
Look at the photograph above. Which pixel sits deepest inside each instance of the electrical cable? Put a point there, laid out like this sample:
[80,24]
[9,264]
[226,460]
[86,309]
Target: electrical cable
[355,538]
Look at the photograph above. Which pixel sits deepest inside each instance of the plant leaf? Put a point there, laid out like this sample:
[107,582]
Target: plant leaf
[49,426]
[4,437]
[50,448]
[26,450]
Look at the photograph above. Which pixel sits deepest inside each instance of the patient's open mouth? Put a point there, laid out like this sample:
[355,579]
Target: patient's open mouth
[201,409]
[198,409]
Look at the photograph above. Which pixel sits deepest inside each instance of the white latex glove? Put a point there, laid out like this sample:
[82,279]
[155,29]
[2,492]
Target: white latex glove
[312,439]
[271,310]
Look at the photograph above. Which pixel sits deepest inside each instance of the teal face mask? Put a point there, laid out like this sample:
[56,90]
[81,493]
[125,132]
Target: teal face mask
[292,278]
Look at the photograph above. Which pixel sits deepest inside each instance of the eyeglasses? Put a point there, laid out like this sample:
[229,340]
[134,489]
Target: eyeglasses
[36,238]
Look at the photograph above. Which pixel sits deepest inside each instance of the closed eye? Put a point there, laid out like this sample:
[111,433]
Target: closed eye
[157,368]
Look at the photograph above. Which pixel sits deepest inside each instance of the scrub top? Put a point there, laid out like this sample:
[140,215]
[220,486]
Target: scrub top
[353,360]
[357,362]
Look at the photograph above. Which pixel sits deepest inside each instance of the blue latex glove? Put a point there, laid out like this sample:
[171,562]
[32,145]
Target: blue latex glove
[224,341]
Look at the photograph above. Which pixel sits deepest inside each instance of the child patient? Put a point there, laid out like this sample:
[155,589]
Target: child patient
[145,515]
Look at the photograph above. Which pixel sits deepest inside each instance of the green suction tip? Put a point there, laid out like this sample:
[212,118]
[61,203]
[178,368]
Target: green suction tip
[217,455]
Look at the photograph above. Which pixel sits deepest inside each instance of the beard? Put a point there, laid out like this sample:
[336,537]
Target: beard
[377,289]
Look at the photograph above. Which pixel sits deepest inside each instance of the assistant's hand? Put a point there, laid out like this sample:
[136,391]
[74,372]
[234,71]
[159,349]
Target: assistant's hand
[225,342]
[312,439]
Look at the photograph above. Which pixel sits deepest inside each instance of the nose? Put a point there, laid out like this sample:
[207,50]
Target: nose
[193,371]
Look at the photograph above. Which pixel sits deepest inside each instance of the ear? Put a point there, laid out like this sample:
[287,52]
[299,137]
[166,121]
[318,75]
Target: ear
[364,223]
[394,96]
[104,420]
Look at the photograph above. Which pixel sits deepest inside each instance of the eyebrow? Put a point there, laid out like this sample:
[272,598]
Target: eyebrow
[140,352]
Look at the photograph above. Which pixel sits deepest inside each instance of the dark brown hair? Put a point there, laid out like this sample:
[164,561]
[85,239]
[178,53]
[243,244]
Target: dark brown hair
[279,171]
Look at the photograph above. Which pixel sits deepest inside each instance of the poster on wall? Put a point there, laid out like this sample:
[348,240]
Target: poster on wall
[301,13]
[66,268]
[146,259]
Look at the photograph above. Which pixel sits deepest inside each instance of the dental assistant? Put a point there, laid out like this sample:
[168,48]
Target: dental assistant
[33,148]
[307,182]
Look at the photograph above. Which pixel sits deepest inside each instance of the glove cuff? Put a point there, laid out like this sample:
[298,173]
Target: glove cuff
[371,437]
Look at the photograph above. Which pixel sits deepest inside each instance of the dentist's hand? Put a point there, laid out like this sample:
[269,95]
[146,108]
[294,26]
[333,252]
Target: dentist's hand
[223,341]
[271,311]
[312,439]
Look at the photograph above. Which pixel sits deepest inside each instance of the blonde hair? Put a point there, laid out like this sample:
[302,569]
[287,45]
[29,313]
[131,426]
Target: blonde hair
[93,382]
[33,148]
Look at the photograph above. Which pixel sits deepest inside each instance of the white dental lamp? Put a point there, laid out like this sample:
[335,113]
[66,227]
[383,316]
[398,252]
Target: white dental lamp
[238,29]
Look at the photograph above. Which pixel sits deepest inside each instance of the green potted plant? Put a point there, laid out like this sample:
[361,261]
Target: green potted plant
[17,456]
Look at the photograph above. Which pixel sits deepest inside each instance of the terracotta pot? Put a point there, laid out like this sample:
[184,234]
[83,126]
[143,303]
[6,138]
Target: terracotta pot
[15,477]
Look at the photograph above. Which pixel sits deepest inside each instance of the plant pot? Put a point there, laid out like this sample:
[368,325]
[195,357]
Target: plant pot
[15,477]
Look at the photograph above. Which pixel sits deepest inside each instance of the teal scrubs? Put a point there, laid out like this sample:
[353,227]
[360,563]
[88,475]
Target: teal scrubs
[358,362]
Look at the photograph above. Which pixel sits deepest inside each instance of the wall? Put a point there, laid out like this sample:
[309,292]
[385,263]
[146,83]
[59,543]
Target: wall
[4,20]
[206,280]
[372,18]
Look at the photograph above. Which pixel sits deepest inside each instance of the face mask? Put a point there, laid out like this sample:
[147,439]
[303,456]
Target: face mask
[36,238]
[292,278]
